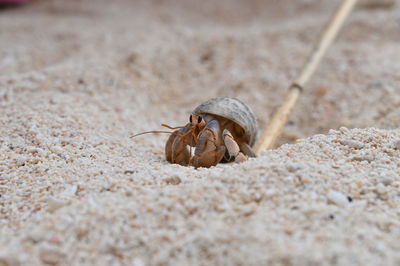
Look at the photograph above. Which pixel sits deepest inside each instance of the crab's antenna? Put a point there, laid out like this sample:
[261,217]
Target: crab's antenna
[160,131]
[153,131]
[165,125]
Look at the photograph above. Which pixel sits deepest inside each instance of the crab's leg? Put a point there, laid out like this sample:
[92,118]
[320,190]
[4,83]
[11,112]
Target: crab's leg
[209,149]
[246,149]
[233,147]
[176,150]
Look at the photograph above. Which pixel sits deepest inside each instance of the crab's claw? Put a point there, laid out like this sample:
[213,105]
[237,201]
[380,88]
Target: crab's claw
[176,150]
[209,148]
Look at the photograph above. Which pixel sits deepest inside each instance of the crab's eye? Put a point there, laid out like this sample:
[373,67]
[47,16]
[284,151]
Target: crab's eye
[190,118]
[199,119]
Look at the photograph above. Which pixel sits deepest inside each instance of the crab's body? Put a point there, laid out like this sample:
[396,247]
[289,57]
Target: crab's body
[220,130]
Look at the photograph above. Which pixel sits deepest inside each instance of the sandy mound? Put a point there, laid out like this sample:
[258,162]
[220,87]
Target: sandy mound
[77,78]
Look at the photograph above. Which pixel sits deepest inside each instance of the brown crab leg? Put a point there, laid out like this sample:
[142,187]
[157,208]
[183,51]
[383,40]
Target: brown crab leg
[246,149]
[233,147]
[209,148]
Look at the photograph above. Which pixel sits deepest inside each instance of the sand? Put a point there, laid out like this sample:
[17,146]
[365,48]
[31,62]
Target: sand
[77,78]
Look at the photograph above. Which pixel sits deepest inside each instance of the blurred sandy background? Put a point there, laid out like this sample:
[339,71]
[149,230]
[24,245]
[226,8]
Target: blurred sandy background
[77,78]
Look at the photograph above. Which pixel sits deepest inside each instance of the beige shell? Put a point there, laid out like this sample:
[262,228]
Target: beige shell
[234,110]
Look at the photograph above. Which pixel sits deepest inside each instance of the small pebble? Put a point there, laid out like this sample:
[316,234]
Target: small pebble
[129,172]
[384,179]
[337,198]
[293,167]
[57,149]
[350,199]
[32,149]
[55,204]
[364,157]
[352,143]
[381,190]
[344,130]
[173,180]
[70,191]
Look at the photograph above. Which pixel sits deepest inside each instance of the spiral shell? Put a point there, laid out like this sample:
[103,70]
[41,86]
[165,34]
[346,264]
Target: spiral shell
[233,110]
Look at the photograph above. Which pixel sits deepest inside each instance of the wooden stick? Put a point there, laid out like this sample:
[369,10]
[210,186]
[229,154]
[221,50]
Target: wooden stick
[279,119]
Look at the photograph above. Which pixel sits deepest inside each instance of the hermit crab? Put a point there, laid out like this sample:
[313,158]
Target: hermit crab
[219,130]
